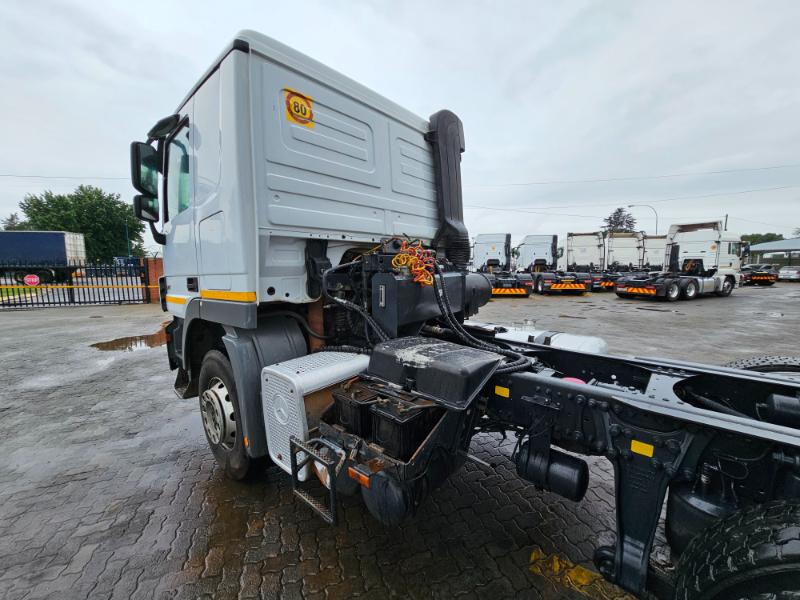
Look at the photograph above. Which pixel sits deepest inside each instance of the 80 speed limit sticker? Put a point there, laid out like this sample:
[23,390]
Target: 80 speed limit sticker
[299,108]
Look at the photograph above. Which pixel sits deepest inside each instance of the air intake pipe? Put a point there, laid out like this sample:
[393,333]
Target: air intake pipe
[447,138]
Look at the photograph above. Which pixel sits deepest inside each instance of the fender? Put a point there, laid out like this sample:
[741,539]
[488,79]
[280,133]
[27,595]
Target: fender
[274,340]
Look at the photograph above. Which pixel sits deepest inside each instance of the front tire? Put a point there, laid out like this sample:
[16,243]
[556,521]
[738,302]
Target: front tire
[727,288]
[219,408]
[753,553]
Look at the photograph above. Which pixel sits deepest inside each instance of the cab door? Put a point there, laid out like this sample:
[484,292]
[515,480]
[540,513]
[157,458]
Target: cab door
[180,255]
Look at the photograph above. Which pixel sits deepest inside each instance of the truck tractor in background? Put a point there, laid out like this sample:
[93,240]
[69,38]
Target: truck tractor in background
[703,259]
[492,256]
[654,248]
[315,262]
[624,252]
[586,252]
[538,258]
[52,256]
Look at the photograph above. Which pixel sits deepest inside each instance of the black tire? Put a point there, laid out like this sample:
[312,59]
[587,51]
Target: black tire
[690,291]
[767,364]
[727,287]
[539,286]
[754,553]
[229,451]
[673,292]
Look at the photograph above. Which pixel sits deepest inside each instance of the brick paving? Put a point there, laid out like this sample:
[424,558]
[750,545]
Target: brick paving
[108,490]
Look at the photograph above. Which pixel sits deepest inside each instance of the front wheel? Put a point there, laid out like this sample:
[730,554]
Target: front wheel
[727,287]
[219,408]
[761,556]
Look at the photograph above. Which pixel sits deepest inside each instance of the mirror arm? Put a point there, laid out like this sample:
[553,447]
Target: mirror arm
[158,237]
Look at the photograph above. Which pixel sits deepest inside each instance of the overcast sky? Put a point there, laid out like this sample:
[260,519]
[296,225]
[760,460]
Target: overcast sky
[548,92]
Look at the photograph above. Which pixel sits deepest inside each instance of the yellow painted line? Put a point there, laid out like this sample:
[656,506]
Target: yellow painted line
[176,299]
[232,296]
[502,391]
[642,448]
[74,287]
[562,573]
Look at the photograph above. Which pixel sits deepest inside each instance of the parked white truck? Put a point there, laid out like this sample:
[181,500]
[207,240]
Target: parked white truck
[315,267]
[624,251]
[703,259]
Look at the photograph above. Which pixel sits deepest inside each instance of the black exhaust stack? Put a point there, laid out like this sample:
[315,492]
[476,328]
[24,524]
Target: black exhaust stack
[447,138]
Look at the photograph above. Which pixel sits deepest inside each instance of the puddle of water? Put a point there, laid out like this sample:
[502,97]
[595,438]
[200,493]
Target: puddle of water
[132,343]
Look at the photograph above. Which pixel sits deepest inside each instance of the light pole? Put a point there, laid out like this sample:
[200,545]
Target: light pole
[651,208]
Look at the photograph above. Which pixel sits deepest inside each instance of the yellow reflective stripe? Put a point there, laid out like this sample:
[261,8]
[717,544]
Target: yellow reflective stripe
[642,448]
[509,291]
[232,296]
[176,299]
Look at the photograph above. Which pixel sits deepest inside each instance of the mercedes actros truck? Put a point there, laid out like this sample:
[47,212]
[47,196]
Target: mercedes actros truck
[315,272]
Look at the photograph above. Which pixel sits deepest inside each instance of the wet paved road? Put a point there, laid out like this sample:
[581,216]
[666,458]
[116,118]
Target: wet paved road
[107,488]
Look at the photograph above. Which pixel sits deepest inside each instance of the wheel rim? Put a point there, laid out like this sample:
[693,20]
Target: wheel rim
[726,286]
[216,408]
[673,290]
[690,291]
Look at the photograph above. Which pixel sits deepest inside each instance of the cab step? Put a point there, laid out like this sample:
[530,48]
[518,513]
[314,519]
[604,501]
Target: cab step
[302,454]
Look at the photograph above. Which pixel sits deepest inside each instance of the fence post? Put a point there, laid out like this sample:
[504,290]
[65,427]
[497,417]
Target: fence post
[145,278]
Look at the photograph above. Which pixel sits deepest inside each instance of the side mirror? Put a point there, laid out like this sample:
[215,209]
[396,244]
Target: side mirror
[144,168]
[145,208]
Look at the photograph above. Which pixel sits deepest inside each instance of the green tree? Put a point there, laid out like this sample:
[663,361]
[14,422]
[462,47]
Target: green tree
[100,216]
[13,223]
[620,221]
[760,238]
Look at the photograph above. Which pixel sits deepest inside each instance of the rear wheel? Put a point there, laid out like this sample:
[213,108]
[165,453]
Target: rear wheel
[690,291]
[754,553]
[539,286]
[219,408]
[673,292]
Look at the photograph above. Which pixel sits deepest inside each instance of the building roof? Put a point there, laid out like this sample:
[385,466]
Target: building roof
[790,245]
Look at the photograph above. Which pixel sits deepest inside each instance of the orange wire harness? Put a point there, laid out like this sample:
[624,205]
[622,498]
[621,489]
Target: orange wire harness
[420,261]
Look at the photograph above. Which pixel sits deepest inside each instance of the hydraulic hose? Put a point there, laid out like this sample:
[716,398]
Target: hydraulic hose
[382,335]
[519,361]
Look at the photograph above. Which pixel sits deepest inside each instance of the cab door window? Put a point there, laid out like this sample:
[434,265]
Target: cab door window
[178,184]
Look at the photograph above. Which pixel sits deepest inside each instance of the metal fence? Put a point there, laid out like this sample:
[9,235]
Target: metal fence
[33,285]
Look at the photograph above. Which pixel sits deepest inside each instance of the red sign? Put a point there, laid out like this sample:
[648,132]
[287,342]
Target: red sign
[31,279]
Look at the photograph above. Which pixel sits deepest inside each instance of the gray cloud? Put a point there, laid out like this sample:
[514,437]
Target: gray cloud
[547,91]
